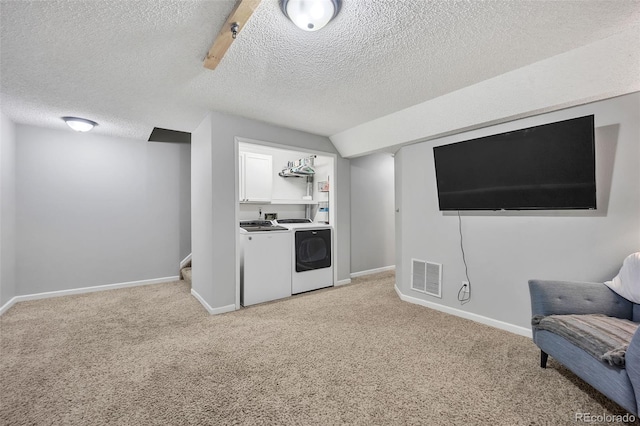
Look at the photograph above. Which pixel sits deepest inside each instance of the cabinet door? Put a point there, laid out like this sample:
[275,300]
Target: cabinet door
[258,177]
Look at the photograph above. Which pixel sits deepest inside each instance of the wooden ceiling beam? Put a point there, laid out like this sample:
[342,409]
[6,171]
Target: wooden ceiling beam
[240,15]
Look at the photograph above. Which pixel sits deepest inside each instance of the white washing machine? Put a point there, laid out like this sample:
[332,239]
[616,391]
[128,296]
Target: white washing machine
[265,262]
[311,254]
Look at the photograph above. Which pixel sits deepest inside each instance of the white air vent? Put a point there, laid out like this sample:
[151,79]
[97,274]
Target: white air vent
[426,277]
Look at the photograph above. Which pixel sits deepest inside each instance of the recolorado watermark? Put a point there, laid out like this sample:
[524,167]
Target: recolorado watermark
[602,418]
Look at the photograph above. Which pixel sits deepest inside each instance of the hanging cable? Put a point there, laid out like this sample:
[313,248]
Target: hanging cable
[463,296]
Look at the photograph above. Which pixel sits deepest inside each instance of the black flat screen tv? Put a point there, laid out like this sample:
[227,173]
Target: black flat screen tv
[545,167]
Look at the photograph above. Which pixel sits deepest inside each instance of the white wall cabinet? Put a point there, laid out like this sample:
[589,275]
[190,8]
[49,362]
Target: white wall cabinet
[256,177]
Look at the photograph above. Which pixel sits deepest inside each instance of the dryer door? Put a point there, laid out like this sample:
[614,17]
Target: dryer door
[313,249]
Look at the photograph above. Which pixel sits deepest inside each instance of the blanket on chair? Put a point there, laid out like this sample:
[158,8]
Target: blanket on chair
[605,338]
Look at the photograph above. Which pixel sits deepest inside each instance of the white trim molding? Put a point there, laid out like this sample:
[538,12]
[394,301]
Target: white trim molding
[8,305]
[342,282]
[522,331]
[185,261]
[373,271]
[211,310]
[82,290]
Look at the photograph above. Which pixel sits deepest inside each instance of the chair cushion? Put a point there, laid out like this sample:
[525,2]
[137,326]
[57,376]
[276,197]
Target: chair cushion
[605,338]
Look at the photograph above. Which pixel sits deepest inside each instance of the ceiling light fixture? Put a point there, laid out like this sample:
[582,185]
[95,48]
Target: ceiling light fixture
[79,124]
[310,15]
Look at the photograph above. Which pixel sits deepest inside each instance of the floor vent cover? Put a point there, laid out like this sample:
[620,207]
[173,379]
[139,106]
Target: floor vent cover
[426,277]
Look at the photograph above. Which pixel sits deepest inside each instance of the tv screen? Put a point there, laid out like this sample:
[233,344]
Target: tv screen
[544,167]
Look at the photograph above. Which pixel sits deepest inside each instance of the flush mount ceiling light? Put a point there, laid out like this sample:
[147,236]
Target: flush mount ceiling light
[79,124]
[310,15]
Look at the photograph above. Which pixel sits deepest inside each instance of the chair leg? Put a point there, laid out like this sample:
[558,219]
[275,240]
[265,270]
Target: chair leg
[543,359]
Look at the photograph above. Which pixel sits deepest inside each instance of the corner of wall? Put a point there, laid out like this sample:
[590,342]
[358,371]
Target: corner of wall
[7,210]
[201,209]
[522,331]
[343,167]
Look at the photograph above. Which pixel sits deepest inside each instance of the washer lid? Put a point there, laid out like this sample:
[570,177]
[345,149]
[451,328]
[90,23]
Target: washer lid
[260,226]
[285,221]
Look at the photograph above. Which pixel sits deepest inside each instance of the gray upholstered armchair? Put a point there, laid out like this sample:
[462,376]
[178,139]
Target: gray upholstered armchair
[577,301]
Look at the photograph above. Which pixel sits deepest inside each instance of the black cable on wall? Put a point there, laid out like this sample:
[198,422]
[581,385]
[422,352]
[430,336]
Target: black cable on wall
[462,296]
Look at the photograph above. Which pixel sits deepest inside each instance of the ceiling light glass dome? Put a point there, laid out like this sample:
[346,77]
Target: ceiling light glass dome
[79,124]
[310,15]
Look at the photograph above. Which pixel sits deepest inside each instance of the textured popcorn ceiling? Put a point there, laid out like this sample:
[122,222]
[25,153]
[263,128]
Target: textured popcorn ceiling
[133,65]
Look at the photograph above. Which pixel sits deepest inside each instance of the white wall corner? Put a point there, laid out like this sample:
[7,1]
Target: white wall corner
[209,308]
[4,308]
[522,331]
[342,282]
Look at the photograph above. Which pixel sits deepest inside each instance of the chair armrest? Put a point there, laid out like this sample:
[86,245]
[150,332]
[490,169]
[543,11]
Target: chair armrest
[572,297]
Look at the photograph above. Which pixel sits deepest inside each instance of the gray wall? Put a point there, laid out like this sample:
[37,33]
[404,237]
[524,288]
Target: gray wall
[504,250]
[184,212]
[7,210]
[94,210]
[372,217]
[343,212]
[214,200]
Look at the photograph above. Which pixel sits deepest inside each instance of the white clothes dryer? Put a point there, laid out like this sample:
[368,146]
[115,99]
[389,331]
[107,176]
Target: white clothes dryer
[312,258]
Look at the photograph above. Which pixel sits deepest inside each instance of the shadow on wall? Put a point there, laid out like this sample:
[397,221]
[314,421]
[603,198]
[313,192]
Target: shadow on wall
[606,143]
[606,146]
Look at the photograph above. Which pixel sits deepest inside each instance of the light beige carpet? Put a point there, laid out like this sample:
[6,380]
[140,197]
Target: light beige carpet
[349,355]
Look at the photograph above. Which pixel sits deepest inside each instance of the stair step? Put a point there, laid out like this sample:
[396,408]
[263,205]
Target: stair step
[186,274]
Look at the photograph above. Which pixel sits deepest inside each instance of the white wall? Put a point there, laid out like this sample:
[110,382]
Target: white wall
[214,200]
[95,210]
[372,212]
[7,210]
[505,250]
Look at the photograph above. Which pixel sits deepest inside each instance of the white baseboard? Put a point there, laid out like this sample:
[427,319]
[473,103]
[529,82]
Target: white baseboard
[7,305]
[342,282]
[213,311]
[373,271]
[82,290]
[184,261]
[522,331]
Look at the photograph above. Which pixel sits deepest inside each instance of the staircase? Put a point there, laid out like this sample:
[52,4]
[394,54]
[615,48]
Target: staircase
[185,273]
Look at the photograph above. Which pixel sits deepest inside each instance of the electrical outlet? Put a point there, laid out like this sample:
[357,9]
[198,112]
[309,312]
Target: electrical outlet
[465,287]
